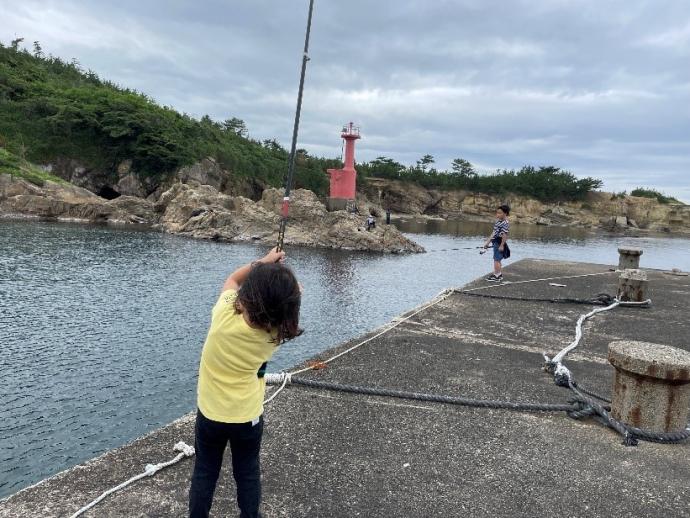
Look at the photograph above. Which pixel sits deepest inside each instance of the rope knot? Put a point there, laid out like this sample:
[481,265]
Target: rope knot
[151,469]
[561,376]
[277,378]
[581,409]
[629,440]
[184,448]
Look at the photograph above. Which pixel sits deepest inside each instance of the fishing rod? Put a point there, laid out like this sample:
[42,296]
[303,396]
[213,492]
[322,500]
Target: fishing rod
[285,208]
[483,249]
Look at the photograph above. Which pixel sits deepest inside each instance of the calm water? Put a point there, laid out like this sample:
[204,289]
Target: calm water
[101,328]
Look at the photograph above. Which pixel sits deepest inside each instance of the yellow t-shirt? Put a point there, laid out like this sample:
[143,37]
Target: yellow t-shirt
[229,389]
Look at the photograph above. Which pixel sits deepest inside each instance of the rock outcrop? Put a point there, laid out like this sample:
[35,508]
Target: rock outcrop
[67,202]
[202,212]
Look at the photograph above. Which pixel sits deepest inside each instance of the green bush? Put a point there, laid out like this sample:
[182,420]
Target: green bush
[652,193]
[544,183]
[15,166]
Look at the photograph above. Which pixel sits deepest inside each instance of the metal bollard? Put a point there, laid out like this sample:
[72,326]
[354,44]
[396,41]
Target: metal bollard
[632,286]
[629,258]
[651,387]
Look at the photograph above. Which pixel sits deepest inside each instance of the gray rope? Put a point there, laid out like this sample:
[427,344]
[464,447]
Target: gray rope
[630,433]
[591,393]
[579,407]
[436,398]
[601,299]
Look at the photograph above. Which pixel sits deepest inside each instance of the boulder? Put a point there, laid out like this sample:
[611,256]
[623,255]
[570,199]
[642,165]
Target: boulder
[200,211]
[206,172]
[305,206]
[129,183]
[621,221]
[132,209]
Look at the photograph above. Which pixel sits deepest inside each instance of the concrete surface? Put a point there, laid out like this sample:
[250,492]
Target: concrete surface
[332,454]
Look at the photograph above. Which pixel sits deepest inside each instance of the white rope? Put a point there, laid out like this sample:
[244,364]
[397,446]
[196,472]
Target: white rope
[150,469]
[285,377]
[439,298]
[562,370]
[511,283]
[274,379]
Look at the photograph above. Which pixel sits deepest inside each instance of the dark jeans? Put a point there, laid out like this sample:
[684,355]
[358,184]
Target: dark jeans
[210,440]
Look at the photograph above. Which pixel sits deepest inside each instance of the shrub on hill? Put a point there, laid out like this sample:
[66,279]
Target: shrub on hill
[52,109]
[653,193]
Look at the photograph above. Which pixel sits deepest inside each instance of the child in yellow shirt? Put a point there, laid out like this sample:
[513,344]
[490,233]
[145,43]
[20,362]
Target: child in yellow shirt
[258,309]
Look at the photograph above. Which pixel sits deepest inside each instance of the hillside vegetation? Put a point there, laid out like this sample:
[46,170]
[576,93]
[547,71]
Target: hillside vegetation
[13,165]
[51,109]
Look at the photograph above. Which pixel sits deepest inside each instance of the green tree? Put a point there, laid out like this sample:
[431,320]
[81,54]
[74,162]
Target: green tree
[38,51]
[424,162]
[463,168]
[236,126]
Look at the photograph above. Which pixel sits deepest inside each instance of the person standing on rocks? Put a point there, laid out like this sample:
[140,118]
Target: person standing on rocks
[258,309]
[371,222]
[499,240]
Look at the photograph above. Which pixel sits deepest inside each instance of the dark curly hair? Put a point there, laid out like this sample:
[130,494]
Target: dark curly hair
[271,298]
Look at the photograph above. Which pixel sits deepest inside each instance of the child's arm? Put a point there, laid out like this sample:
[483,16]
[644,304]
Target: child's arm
[488,240]
[238,276]
[504,238]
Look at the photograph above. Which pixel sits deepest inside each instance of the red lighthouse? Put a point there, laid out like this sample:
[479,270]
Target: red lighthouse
[343,181]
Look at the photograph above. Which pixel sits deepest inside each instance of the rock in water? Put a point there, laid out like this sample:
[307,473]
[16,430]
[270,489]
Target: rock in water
[201,211]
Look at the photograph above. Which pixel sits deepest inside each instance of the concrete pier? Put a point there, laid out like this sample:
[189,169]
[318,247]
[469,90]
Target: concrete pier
[329,454]
[651,387]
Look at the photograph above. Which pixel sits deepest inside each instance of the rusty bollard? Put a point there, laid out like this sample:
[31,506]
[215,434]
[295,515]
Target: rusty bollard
[651,387]
[629,258]
[632,286]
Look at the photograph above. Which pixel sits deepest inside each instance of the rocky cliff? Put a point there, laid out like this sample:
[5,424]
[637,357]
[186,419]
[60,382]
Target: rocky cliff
[599,210]
[203,212]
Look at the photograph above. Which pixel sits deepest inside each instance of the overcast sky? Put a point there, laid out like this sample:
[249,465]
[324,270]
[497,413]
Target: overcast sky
[601,88]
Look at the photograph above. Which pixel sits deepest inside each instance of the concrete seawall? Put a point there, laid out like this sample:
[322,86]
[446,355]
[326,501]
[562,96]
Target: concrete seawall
[336,454]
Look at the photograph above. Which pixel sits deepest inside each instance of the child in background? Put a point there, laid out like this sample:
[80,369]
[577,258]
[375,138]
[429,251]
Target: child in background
[499,240]
[258,309]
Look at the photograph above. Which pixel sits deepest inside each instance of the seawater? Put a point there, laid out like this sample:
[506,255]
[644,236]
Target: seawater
[101,328]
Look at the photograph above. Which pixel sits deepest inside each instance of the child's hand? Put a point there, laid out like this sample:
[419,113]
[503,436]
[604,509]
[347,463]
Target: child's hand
[274,256]
[501,248]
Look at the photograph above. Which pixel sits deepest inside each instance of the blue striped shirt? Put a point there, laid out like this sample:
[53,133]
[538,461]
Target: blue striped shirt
[501,228]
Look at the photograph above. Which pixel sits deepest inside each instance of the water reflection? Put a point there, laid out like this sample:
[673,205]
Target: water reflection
[482,229]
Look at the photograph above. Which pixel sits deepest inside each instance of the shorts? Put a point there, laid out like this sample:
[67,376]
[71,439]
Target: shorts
[498,255]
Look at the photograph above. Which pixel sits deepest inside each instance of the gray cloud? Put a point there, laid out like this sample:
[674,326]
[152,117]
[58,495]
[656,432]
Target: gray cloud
[600,88]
